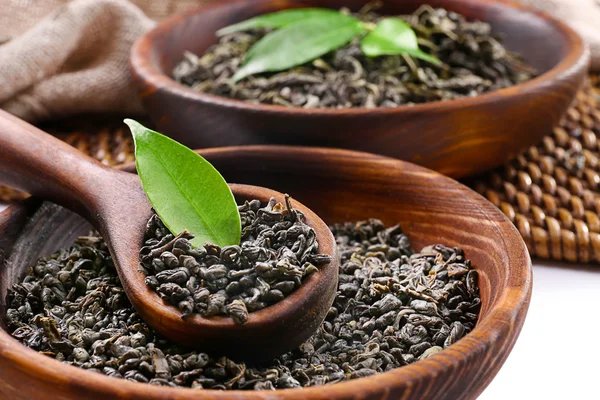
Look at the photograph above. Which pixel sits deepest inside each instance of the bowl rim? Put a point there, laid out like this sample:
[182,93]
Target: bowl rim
[498,321]
[143,64]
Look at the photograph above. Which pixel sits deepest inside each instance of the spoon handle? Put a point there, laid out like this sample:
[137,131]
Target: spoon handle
[42,165]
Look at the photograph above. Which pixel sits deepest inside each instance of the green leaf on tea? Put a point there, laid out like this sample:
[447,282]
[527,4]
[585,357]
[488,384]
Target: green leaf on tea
[186,191]
[278,19]
[394,36]
[299,43]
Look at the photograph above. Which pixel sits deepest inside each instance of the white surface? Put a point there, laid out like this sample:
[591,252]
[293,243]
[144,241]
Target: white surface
[557,354]
[564,309]
[2,206]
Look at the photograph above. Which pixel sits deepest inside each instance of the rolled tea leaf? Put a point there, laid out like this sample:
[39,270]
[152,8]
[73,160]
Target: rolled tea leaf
[299,43]
[393,36]
[185,190]
[279,19]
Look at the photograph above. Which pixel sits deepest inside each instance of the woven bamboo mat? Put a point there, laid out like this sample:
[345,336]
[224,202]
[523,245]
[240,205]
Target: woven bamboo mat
[551,191]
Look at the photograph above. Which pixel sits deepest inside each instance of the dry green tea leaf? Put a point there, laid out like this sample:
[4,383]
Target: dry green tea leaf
[186,191]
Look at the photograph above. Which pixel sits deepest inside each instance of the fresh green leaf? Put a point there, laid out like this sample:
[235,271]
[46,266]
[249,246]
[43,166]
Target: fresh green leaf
[279,19]
[186,191]
[393,36]
[299,43]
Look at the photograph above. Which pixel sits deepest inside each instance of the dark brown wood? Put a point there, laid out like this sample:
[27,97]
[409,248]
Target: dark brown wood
[115,203]
[340,186]
[458,137]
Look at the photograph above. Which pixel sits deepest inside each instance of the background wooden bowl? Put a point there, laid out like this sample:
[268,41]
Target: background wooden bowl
[457,138]
[339,186]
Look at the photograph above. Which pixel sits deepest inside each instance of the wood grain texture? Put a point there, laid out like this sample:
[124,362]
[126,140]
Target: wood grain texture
[342,186]
[115,203]
[458,138]
[102,136]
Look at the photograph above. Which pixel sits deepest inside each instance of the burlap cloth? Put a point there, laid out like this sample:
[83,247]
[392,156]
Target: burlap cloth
[63,57]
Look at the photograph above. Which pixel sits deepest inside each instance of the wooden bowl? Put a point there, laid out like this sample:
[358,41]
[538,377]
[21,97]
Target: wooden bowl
[457,138]
[339,186]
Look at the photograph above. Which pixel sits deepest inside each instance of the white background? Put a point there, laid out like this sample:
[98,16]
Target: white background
[557,355]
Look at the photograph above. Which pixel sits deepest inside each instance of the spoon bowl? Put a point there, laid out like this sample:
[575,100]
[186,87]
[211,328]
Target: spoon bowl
[116,205]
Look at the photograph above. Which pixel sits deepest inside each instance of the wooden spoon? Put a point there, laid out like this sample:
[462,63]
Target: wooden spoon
[115,203]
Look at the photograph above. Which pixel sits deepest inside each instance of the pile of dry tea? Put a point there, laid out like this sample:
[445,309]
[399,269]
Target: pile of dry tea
[473,62]
[278,251]
[393,307]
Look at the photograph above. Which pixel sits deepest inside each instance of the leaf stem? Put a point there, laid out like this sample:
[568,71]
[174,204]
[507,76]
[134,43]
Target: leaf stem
[368,26]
